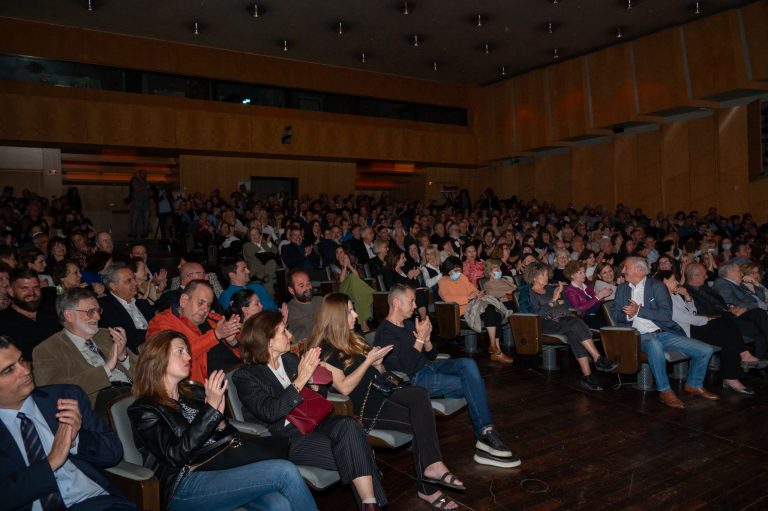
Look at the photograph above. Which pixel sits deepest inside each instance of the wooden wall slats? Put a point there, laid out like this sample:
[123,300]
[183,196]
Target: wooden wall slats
[755,19]
[568,97]
[65,43]
[660,71]
[531,110]
[612,86]
[715,54]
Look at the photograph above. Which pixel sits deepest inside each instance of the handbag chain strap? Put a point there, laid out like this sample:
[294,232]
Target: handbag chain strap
[362,409]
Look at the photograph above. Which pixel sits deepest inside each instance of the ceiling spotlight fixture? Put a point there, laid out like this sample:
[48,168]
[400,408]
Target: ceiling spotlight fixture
[619,33]
[434,65]
[550,27]
[363,58]
[90,6]
[196,28]
[285,45]
[697,8]
[555,2]
[406,8]
[487,48]
[503,70]
[479,20]
[255,11]
[415,41]
[340,27]
[629,5]
[555,54]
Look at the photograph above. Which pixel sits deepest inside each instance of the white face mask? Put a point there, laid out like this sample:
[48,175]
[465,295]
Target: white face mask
[496,275]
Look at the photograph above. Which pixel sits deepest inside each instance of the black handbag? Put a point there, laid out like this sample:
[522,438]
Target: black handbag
[388,382]
[231,451]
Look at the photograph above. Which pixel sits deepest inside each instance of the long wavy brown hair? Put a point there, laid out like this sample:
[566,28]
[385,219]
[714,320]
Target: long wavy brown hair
[149,375]
[332,329]
[258,330]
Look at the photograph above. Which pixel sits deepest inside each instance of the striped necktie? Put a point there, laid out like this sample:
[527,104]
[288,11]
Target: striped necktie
[35,453]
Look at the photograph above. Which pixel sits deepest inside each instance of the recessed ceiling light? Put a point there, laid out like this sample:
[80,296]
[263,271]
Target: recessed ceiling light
[255,10]
[196,28]
[503,70]
[629,4]
[697,8]
[90,6]
[487,48]
[416,40]
[619,33]
[285,45]
[479,20]
[555,54]
[340,27]
[407,8]
[434,65]
[363,58]
[549,28]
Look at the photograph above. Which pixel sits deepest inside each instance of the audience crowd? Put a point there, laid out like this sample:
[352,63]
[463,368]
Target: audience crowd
[92,320]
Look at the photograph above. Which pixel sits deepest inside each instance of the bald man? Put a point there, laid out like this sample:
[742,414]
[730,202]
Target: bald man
[187,273]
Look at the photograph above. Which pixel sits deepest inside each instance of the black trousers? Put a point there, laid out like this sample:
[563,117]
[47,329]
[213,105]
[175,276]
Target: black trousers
[754,323]
[723,332]
[410,411]
[491,317]
[573,328]
[339,443]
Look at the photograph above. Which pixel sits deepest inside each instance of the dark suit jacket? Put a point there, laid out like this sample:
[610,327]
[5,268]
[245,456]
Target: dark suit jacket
[98,446]
[263,396]
[293,257]
[657,306]
[708,302]
[357,248]
[114,314]
[735,295]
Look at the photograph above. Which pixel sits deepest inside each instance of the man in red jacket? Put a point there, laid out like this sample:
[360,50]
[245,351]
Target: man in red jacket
[194,319]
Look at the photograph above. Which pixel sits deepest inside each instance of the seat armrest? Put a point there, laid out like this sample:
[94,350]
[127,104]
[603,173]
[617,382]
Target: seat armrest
[138,483]
[342,405]
[249,428]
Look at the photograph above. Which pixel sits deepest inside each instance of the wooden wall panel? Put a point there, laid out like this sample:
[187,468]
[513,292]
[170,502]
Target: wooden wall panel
[41,114]
[603,175]
[702,161]
[205,173]
[715,54]
[675,168]
[492,120]
[612,86]
[531,119]
[568,99]
[755,18]
[65,43]
[660,71]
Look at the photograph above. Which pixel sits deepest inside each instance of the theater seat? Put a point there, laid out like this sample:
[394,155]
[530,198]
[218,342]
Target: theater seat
[448,406]
[376,437]
[315,477]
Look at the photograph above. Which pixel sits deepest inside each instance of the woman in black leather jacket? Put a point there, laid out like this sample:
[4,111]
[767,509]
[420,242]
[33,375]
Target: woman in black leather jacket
[269,384]
[181,433]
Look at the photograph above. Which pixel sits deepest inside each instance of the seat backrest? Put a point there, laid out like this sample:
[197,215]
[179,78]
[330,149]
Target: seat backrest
[622,345]
[380,306]
[448,320]
[481,283]
[233,399]
[118,415]
[369,337]
[516,301]
[526,333]
[367,270]
[382,287]
[607,306]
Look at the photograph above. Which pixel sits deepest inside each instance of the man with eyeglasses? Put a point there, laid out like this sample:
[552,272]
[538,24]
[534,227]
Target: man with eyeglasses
[25,321]
[187,273]
[83,354]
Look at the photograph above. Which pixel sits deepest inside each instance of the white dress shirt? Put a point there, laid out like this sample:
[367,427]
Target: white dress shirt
[139,321]
[642,325]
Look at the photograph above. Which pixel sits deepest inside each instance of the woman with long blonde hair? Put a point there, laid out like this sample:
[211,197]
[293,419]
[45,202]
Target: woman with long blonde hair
[354,367]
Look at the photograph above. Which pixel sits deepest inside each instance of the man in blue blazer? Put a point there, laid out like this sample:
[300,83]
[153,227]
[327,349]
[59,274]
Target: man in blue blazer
[645,305]
[51,444]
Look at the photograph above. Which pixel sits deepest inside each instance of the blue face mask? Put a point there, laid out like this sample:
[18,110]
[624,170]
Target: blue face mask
[455,275]
[497,275]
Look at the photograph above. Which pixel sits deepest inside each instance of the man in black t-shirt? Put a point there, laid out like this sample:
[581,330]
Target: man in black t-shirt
[415,355]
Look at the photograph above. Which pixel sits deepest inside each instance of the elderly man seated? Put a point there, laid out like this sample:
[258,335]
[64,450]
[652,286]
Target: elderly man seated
[96,359]
[645,304]
[194,319]
[121,308]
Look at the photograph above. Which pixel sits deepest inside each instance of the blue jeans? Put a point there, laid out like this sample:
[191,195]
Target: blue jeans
[271,485]
[656,343]
[455,378]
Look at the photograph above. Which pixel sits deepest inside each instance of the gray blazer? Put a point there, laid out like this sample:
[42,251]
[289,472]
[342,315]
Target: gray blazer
[735,295]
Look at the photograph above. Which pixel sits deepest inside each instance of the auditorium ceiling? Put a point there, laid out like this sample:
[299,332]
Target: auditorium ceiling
[467,42]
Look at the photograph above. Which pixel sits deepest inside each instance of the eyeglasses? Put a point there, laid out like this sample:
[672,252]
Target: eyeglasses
[90,312]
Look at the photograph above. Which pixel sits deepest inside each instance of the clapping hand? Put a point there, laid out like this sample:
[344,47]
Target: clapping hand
[377,354]
[215,390]
[119,346]
[631,308]
[228,327]
[307,365]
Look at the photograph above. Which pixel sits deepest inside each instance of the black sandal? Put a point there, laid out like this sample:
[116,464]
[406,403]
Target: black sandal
[449,483]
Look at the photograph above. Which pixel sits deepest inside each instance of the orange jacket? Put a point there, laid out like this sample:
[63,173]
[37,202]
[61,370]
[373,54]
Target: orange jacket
[199,343]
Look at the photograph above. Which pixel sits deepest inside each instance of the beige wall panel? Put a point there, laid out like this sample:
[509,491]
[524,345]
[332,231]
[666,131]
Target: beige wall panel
[660,71]
[715,54]
[532,126]
[568,98]
[603,175]
[755,17]
[613,96]
[732,135]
